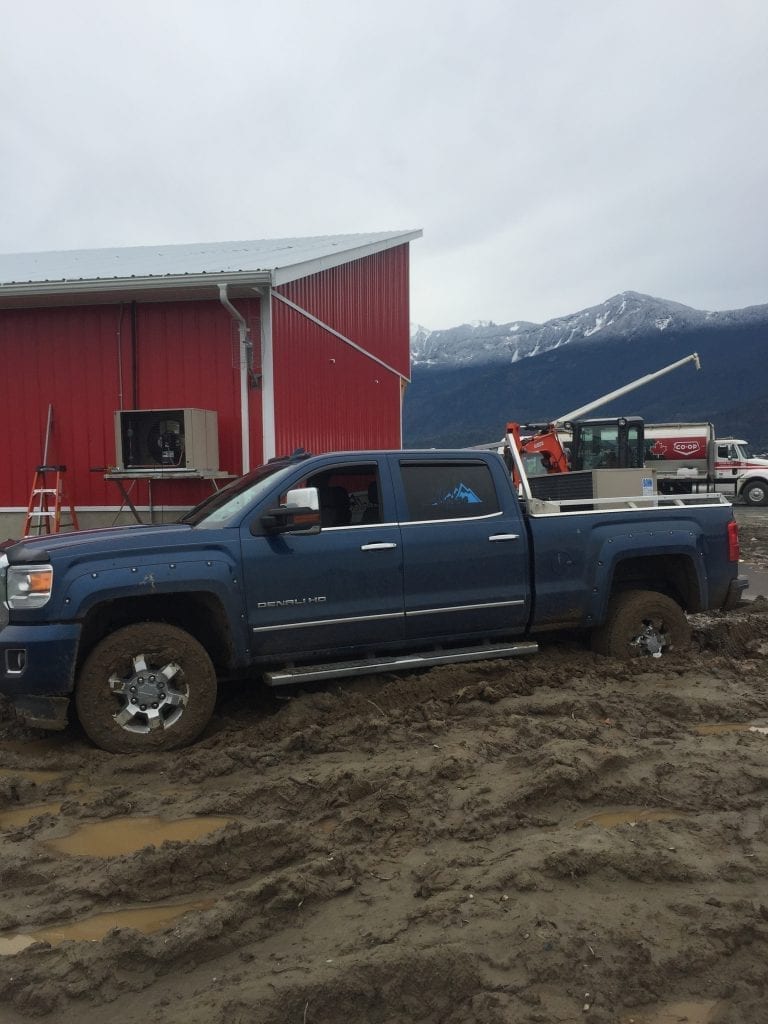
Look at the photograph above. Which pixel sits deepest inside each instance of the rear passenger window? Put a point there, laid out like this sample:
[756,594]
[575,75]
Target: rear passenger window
[448,490]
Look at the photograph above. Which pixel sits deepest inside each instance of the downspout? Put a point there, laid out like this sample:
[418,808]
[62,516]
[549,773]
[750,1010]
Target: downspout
[268,432]
[246,369]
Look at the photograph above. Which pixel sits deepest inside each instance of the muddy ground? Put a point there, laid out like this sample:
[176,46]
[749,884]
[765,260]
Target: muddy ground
[556,839]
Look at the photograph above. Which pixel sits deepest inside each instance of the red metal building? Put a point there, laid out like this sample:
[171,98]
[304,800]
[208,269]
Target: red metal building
[298,342]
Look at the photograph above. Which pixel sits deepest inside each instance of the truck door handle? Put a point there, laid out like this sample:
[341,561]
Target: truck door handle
[378,547]
[504,536]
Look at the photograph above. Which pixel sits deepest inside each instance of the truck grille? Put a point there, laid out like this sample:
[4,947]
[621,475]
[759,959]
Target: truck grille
[3,591]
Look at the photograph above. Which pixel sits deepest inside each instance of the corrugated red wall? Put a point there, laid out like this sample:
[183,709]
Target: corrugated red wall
[328,396]
[67,358]
[80,359]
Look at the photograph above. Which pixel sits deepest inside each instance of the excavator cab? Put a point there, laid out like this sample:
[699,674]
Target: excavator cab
[608,443]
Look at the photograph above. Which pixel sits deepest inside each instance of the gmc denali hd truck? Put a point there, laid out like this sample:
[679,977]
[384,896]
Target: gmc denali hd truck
[331,566]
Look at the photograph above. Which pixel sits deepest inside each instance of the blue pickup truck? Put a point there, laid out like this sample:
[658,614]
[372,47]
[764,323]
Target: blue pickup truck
[317,567]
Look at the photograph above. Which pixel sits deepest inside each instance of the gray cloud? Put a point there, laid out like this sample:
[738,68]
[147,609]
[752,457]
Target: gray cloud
[554,152]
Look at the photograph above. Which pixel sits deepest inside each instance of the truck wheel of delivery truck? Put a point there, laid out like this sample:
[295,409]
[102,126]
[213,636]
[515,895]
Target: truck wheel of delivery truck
[148,686]
[755,492]
[642,623]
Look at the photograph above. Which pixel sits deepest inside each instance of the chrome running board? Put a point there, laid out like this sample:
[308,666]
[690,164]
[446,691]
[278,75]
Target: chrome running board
[402,662]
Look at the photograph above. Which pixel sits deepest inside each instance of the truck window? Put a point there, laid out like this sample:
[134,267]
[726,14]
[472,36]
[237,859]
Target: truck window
[448,490]
[349,494]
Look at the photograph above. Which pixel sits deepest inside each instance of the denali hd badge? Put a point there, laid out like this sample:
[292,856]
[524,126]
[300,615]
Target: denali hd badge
[291,602]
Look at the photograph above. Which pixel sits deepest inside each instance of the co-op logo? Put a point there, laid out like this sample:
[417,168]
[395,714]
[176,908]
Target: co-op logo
[686,447]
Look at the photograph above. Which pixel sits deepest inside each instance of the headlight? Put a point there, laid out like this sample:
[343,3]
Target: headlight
[29,586]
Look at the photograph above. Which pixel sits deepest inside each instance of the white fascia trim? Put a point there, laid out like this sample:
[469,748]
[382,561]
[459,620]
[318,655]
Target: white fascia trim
[341,337]
[284,275]
[139,284]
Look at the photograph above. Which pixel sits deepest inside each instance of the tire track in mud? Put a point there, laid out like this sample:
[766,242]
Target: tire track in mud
[495,842]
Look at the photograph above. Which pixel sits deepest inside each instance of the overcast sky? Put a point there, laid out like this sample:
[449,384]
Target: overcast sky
[554,152]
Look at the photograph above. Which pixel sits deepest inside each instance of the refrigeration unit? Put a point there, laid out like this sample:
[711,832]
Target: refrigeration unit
[167,440]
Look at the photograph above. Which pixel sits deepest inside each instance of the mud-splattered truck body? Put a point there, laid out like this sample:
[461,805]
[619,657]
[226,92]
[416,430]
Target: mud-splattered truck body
[321,567]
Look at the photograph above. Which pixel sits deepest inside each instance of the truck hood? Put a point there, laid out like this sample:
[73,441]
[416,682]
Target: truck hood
[117,542]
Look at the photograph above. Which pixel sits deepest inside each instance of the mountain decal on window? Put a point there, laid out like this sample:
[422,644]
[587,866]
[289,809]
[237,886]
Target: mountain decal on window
[460,494]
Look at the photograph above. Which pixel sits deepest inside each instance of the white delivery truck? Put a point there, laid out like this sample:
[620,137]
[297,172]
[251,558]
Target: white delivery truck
[687,457]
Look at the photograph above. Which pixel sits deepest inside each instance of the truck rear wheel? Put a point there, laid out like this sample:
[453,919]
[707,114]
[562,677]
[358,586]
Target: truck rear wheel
[149,686]
[642,623]
[755,492]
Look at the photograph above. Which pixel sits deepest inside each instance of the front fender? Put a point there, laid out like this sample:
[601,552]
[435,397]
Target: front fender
[217,576]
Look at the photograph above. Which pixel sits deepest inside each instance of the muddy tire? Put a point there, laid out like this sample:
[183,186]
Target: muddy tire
[149,686]
[642,623]
[755,492]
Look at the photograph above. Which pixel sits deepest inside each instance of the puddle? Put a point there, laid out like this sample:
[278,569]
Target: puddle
[91,929]
[327,825]
[688,1012]
[20,773]
[628,816]
[117,836]
[15,943]
[19,816]
[715,728]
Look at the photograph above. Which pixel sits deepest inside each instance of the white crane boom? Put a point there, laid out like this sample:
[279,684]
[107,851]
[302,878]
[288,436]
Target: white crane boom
[575,413]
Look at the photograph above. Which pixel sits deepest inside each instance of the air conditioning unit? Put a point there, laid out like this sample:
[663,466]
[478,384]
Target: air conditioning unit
[167,439]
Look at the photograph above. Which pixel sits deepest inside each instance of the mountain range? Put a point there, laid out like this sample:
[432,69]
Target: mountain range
[468,381]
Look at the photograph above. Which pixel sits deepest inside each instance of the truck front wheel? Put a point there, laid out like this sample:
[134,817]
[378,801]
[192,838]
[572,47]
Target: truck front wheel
[642,623]
[149,686]
[755,492]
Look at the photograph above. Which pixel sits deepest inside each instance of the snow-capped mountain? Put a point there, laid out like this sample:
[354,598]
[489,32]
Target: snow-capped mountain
[467,382]
[627,315]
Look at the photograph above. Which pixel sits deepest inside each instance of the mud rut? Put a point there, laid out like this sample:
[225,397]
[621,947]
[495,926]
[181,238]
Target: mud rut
[555,839]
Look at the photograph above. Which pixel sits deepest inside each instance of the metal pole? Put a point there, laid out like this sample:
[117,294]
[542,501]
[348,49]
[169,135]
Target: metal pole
[575,413]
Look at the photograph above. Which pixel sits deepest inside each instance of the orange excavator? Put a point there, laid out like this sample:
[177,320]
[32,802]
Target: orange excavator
[568,443]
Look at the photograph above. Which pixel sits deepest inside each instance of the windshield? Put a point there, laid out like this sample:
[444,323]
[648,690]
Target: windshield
[743,451]
[223,507]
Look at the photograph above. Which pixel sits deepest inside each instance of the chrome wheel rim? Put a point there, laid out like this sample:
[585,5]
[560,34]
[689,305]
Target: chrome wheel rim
[150,698]
[651,640]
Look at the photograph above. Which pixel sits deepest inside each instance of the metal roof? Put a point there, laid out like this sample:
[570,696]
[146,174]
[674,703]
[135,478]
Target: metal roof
[146,268]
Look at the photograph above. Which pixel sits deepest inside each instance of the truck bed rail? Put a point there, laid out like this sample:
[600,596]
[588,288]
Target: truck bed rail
[542,506]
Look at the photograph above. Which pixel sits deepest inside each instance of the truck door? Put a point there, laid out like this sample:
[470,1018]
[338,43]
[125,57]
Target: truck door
[729,461]
[464,549]
[342,587]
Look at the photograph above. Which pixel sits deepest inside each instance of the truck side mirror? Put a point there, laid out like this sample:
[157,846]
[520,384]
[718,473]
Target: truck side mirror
[299,514]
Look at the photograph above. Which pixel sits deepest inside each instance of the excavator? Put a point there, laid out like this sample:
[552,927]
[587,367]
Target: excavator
[568,443]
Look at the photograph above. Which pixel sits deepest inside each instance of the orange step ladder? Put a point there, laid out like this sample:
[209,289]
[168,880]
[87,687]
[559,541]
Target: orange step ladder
[46,503]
